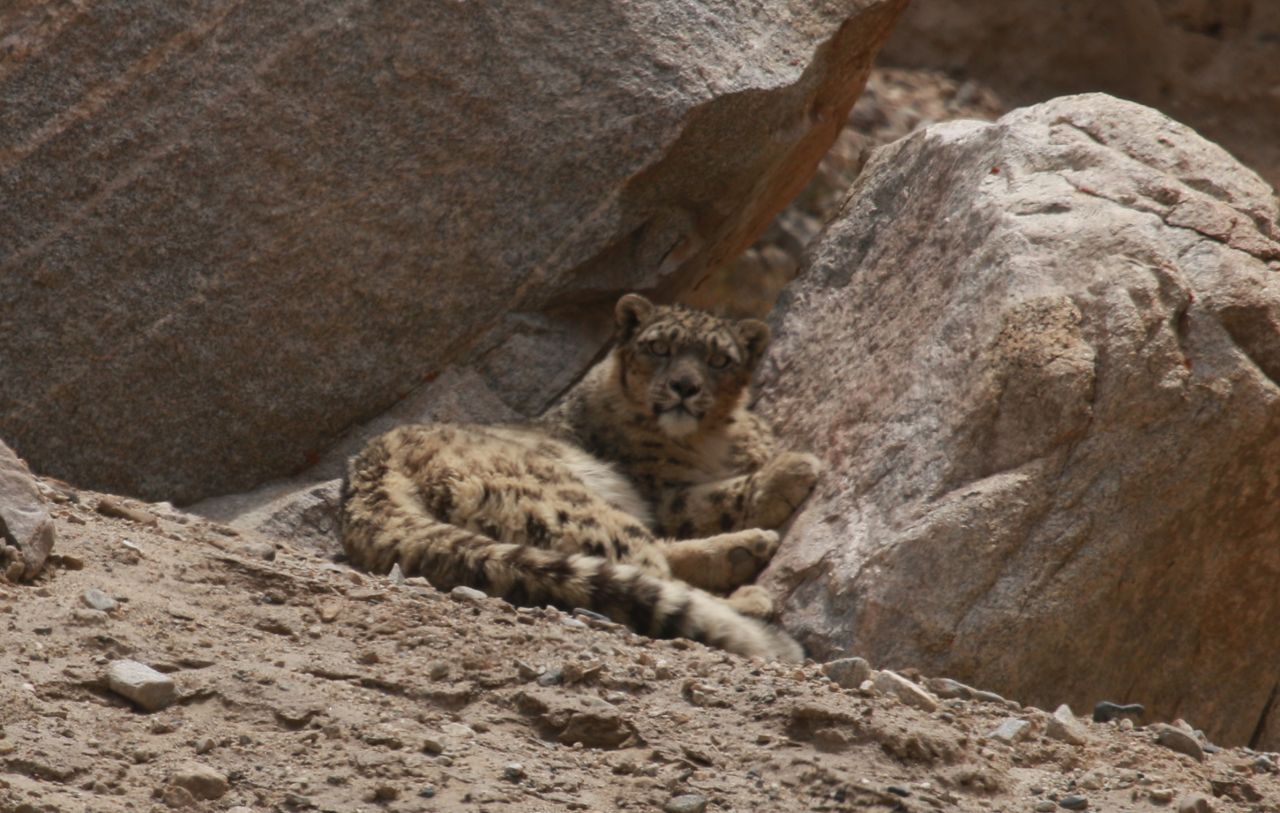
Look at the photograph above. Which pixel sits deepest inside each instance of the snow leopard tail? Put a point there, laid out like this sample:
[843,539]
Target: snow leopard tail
[384,522]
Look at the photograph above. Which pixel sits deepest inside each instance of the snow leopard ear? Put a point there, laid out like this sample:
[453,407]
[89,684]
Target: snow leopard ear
[630,313]
[755,338]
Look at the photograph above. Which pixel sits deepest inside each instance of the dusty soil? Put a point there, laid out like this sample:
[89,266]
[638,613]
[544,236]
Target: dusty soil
[304,685]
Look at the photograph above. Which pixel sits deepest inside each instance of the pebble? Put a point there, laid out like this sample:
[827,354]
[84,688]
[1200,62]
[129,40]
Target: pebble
[95,599]
[458,731]
[1011,730]
[686,803]
[1162,796]
[553,676]
[591,614]
[1063,726]
[89,618]
[259,550]
[848,673]
[433,744]
[526,671]
[140,683]
[1045,806]
[200,781]
[111,507]
[949,689]
[1264,764]
[1073,802]
[462,593]
[1195,803]
[396,576]
[1107,711]
[1176,739]
[438,670]
[573,623]
[905,690]
[513,772]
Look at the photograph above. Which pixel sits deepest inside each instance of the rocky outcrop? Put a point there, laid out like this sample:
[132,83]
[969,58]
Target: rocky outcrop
[229,231]
[26,530]
[1209,63]
[1040,358]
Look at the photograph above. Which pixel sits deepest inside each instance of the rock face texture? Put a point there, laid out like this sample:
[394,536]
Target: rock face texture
[229,231]
[26,530]
[1041,358]
[1209,63]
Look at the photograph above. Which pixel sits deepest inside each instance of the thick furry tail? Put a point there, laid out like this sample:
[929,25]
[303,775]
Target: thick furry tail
[384,522]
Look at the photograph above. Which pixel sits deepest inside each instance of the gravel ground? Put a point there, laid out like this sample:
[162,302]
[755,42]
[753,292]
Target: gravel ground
[299,684]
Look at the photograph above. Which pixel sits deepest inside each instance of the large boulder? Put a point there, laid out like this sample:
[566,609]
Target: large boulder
[26,529]
[1040,358]
[1209,63]
[229,233]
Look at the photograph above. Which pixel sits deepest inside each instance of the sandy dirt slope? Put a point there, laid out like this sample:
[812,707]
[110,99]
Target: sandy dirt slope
[302,685]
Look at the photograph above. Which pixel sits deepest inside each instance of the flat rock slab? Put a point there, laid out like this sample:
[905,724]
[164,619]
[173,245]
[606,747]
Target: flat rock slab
[151,690]
[244,227]
[1041,360]
[26,530]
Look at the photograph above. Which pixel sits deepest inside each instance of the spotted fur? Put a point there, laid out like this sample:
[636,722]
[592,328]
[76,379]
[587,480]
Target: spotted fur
[648,487]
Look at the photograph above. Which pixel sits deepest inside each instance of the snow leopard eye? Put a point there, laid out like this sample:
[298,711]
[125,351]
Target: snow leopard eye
[657,347]
[719,361]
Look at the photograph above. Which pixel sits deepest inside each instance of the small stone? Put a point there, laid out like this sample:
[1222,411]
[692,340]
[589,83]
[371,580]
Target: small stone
[553,676]
[382,793]
[1264,764]
[1176,739]
[176,798]
[1011,730]
[329,611]
[140,683]
[1106,711]
[89,618]
[949,689]
[463,593]
[526,671]
[573,623]
[259,550]
[1093,780]
[1045,806]
[438,670]
[847,673]
[433,744]
[984,696]
[687,803]
[591,614]
[905,690]
[1074,802]
[428,792]
[458,731]
[513,772]
[112,507]
[1161,796]
[1195,803]
[200,780]
[204,745]
[396,576]
[1063,726]
[95,599]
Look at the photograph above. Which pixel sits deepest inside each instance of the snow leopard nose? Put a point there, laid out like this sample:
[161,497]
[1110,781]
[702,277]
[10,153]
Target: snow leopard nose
[685,387]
